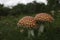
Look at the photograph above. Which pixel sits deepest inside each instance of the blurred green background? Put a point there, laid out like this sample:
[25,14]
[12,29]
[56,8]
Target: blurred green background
[10,17]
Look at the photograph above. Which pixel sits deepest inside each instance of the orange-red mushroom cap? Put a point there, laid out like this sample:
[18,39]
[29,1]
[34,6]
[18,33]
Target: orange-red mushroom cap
[27,22]
[43,17]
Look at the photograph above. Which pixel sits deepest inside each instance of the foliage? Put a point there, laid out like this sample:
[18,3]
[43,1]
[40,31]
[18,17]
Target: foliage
[10,31]
[9,18]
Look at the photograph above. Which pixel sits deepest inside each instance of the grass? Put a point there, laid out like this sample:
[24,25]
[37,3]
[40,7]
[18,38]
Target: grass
[9,30]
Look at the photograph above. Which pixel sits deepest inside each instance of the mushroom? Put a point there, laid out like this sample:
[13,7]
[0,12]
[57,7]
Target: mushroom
[41,18]
[29,23]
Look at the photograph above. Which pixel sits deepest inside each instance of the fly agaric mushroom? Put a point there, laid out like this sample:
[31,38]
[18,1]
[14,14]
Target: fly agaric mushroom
[29,23]
[41,18]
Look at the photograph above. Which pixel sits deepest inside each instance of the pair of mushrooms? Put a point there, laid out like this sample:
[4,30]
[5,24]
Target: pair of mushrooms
[31,23]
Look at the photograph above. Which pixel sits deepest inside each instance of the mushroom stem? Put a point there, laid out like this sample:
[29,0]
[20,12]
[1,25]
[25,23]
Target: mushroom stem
[41,29]
[30,33]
